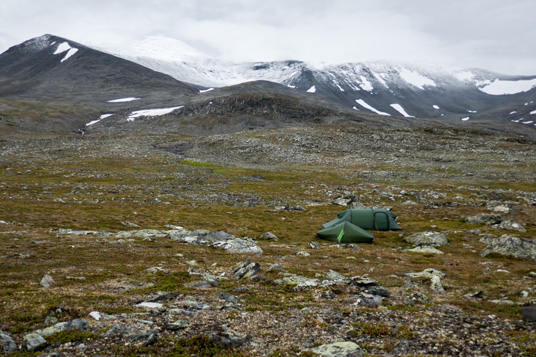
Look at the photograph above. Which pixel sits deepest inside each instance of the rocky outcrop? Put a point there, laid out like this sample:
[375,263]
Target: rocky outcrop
[514,247]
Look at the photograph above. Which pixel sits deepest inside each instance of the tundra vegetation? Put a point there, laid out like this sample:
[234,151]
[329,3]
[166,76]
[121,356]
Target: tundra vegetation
[68,203]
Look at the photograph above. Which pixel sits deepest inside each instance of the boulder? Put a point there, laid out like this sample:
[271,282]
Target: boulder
[432,239]
[47,281]
[512,247]
[484,218]
[7,343]
[246,269]
[529,313]
[339,349]
[33,341]
[268,236]
[437,285]
[510,225]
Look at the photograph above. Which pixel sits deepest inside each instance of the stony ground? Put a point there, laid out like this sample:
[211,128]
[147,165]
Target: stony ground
[66,200]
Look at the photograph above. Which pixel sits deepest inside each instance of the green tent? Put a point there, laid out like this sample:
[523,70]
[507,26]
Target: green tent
[370,219]
[346,232]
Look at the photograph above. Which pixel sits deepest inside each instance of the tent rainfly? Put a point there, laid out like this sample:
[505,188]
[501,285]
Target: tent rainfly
[351,225]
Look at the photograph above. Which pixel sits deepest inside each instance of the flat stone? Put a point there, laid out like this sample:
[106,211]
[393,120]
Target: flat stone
[437,285]
[424,250]
[339,349]
[432,239]
[178,325]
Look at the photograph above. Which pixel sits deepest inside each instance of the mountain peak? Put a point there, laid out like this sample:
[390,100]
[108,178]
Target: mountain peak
[160,48]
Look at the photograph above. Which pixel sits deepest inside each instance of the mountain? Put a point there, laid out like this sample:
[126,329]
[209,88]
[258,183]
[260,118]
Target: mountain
[71,84]
[158,85]
[384,88]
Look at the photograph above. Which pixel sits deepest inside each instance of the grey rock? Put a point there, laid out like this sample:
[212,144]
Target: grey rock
[228,297]
[33,341]
[418,298]
[229,339]
[119,329]
[274,267]
[246,269]
[512,247]
[268,236]
[339,349]
[426,273]
[510,225]
[333,275]
[362,281]
[178,325]
[313,245]
[303,253]
[424,250]
[484,218]
[368,300]
[7,343]
[47,281]
[239,246]
[529,314]
[437,285]
[432,239]
[379,290]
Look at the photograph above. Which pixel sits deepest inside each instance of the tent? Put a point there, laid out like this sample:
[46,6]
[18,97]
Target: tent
[351,225]
[345,232]
[371,219]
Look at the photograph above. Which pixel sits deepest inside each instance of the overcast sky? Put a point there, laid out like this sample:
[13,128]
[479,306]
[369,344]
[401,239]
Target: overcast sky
[498,35]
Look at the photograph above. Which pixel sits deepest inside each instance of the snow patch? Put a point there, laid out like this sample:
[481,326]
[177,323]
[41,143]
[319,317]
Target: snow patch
[415,78]
[514,112]
[435,107]
[103,116]
[366,85]
[151,112]
[533,112]
[528,122]
[500,87]
[122,100]
[364,104]
[466,118]
[312,89]
[205,90]
[65,47]
[472,111]
[401,110]
[291,86]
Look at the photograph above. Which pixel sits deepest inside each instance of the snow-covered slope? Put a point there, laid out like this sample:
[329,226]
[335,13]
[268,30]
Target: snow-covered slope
[384,88]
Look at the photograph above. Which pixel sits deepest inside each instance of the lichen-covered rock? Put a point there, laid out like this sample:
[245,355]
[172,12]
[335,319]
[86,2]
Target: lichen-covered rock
[514,247]
[268,236]
[33,341]
[510,225]
[7,343]
[432,239]
[424,250]
[339,349]
[484,218]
